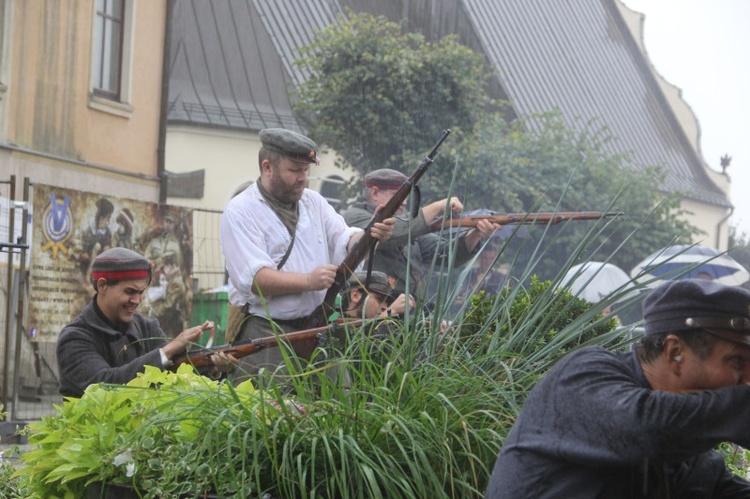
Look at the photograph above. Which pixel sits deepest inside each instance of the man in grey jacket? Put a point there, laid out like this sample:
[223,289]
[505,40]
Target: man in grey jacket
[641,423]
[412,242]
[109,342]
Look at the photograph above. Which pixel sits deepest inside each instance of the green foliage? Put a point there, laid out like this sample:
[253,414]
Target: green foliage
[11,487]
[381,97]
[561,309]
[543,164]
[111,434]
[533,328]
[736,458]
[372,427]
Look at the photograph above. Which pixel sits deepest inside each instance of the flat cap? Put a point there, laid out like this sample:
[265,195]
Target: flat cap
[291,144]
[378,282]
[117,264]
[689,304]
[385,178]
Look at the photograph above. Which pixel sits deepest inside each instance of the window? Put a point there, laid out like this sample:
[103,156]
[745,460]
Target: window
[106,71]
[111,64]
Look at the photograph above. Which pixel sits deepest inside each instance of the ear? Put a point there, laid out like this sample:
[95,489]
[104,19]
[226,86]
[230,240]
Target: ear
[674,349]
[265,166]
[101,284]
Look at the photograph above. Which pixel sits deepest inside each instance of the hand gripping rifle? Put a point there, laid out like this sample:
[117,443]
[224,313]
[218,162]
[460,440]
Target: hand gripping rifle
[202,357]
[360,250]
[542,218]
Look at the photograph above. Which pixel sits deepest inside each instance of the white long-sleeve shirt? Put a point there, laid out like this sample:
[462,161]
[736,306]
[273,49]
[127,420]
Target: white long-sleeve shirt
[253,237]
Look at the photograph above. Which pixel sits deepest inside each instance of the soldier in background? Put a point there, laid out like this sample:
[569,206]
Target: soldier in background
[412,245]
[172,310]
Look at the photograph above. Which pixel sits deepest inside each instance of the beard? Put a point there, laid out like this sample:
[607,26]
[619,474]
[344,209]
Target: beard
[286,193]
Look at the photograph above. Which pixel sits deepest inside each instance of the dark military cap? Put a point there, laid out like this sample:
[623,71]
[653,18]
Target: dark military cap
[120,264]
[385,178]
[378,282]
[690,304]
[290,144]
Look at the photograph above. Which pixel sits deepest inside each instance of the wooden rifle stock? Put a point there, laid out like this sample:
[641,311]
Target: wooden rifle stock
[543,218]
[202,357]
[360,250]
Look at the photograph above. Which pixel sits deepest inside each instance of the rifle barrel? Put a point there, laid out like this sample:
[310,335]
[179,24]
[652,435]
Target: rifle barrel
[522,218]
[202,357]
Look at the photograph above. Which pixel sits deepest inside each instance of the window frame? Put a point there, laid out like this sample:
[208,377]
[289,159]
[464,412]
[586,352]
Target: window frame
[118,103]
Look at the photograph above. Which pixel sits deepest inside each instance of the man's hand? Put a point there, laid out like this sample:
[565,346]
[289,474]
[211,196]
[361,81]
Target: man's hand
[382,231]
[185,339]
[487,228]
[321,278]
[398,307]
[224,362]
[438,208]
[484,229]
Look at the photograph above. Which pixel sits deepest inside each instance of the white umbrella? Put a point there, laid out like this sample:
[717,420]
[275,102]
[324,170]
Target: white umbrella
[592,281]
[684,261]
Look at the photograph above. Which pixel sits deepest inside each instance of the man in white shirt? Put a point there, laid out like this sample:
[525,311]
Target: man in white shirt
[282,244]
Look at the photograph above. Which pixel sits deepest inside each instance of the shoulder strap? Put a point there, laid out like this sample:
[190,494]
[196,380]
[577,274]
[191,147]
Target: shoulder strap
[286,255]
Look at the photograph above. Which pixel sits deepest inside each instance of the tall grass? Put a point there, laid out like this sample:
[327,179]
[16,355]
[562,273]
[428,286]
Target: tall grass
[422,413]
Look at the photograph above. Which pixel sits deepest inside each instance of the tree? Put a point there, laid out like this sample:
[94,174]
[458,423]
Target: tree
[542,164]
[380,97]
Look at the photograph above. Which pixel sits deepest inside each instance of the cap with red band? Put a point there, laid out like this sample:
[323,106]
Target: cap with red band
[118,264]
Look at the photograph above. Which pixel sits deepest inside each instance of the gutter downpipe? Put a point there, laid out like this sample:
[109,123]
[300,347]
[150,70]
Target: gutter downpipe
[721,222]
[161,148]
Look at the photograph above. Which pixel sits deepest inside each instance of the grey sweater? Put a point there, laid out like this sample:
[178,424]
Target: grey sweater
[93,349]
[593,427]
[391,256]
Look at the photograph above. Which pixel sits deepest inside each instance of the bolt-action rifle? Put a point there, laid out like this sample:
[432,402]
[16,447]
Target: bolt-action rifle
[541,218]
[202,357]
[360,250]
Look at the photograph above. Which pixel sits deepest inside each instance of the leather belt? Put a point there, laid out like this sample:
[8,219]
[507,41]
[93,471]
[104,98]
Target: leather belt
[293,323]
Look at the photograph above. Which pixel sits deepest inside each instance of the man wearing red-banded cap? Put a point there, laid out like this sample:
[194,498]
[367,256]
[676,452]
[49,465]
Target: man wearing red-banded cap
[109,342]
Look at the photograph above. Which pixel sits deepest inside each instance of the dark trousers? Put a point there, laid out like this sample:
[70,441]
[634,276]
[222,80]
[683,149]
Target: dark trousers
[270,359]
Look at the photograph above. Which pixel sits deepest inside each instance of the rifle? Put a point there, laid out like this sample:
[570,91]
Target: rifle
[366,242]
[202,357]
[521,218]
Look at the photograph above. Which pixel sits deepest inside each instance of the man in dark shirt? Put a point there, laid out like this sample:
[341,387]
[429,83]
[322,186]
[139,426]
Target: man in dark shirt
[109,342]
[641,423]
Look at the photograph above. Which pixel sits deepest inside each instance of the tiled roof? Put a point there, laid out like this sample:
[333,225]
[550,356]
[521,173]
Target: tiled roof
[578,56]
[231,66]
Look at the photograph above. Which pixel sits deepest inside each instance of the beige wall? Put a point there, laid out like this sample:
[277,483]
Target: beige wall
[49,108]
[230,160]
[711,219]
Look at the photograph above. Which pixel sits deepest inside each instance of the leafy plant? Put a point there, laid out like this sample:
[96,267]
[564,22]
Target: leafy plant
[397,91]
[396,427]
